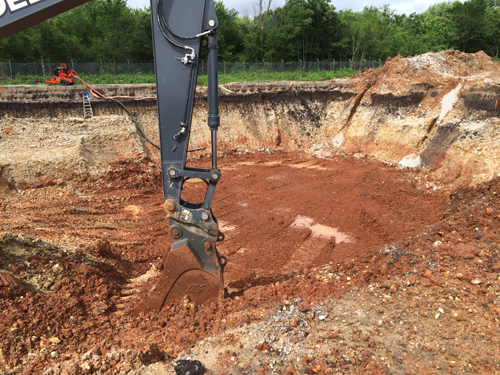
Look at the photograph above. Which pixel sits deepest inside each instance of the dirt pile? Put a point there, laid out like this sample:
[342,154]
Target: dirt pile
[45,152]
[437,111]
[437,65]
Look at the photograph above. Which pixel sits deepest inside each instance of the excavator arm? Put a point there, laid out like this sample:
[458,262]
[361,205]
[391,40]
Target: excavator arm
[17,15]
[193,268]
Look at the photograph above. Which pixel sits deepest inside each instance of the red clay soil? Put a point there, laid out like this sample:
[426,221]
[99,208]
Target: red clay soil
[117,224]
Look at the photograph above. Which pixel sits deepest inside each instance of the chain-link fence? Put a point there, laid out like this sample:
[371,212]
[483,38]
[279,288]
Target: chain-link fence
[46,69]
[280,67]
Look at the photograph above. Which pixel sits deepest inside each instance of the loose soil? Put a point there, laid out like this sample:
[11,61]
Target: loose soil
[102,237]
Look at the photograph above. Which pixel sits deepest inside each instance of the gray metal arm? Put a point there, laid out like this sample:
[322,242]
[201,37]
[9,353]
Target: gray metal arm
[179,27]
[17,15]
[176,65]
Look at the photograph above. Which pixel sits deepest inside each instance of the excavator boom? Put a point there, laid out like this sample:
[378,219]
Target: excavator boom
[192,269]
[17,15]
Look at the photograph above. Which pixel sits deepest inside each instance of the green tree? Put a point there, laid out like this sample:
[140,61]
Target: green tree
[230,32]
[305,29]
[469,19]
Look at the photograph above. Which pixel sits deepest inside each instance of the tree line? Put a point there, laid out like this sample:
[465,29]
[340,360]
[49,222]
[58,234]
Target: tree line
[305,30]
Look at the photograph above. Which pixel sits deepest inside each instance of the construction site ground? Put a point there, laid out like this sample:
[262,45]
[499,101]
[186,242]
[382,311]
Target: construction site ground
[347,253]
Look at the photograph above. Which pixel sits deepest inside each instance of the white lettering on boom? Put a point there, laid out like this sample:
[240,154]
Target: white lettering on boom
[3,7]
[16,4]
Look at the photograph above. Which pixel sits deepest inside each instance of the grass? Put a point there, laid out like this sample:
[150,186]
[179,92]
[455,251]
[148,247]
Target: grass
[285,76]
[106,78]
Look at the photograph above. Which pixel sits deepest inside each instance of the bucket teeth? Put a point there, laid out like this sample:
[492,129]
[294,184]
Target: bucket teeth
[136,289]
[182,278]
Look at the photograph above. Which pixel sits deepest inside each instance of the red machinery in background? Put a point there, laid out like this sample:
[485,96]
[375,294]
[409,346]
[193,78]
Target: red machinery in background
[63,76]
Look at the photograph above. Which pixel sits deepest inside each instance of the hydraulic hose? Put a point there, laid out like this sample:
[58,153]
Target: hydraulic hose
[134,120]
[160,14]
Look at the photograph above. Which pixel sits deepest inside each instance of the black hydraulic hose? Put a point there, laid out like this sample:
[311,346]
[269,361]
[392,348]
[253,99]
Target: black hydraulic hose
[134,120]
[136,123]
[160,12]
[160,17]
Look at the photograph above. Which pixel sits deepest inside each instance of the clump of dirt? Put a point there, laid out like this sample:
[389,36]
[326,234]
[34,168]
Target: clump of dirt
[16,249]
[364,71]
[10,287]
[102,360]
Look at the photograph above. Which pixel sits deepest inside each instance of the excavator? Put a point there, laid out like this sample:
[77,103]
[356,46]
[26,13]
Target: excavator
[192,269]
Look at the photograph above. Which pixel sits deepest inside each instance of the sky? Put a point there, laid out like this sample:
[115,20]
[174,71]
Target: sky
[246,7]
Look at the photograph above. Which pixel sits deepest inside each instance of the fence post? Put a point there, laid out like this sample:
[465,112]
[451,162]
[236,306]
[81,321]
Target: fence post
[101,64]
[128,62]
[243,66]
[202,68]
[72,65]
[282,66]
[43,69]
[264,65]
[318,63]
[224,66]
[379,63]
[333,65]
[10,66]
[300,64]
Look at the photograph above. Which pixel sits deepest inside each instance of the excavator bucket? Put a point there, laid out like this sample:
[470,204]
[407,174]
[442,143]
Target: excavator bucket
[191,272]
[193,269]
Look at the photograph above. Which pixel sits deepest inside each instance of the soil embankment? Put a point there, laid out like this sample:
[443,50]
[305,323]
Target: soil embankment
[438,111]
[361,220]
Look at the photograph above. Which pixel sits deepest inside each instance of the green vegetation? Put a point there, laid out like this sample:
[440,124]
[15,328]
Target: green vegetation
[306,30]
[285,76]
[98,79]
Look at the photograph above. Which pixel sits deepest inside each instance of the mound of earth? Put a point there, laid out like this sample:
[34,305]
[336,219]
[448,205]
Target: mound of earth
[437,111]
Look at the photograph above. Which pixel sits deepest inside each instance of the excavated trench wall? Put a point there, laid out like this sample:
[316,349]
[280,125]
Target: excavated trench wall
[403,113]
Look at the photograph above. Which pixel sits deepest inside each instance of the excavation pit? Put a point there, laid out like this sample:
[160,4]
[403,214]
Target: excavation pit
[319,211]
[361,220]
